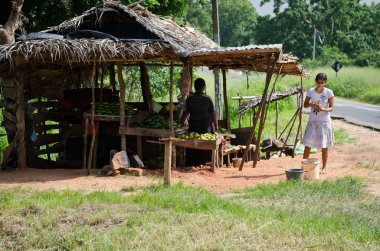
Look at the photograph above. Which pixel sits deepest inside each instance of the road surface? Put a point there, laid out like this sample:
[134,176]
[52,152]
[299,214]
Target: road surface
[356,113]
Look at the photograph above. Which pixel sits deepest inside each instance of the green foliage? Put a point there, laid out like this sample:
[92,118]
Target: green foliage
[341,136]
[337,26]
[237,20]
[39,12]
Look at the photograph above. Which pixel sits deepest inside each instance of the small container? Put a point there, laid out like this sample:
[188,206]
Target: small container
[294,174]
[311,168]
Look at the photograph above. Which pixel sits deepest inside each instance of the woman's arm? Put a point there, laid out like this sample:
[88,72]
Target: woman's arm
[331,106]
[307,103]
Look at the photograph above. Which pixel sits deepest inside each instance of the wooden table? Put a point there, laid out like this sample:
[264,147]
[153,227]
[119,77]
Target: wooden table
[171,143]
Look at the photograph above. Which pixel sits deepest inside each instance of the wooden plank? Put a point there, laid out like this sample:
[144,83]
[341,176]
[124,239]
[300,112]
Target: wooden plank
[10,92]
[8,83]
[44,139]
[56,148]
[198,144]
[43,128]
[144,132]
[10,116]
[40,117]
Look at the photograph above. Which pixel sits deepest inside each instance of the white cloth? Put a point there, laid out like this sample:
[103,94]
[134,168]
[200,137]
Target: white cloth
[319,134]
[323,99]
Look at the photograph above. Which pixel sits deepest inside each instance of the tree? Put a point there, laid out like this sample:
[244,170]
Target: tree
[237,20]
[336,22]
[14,22]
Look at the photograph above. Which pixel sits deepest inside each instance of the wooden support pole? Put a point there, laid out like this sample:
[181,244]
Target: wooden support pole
[171,122]
[301,112]
[111,70]
[145,87]
[122,104]
[168,164]
[85,141]
[226,99]
[20,125]
[299,104]
[290,130]
[89,164]
[270,67]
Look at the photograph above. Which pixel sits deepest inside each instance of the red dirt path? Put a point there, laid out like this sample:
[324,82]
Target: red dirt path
[356,159]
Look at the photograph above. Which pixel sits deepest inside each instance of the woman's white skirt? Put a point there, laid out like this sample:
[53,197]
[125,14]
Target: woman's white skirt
[319,134]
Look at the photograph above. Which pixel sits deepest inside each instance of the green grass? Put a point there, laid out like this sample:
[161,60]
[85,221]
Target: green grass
[341,136]
[333,215]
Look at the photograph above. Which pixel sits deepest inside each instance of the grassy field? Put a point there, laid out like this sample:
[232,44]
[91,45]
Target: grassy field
[328,215]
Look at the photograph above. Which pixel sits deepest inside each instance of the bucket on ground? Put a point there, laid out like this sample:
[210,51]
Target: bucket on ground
[311,168]
[294,174]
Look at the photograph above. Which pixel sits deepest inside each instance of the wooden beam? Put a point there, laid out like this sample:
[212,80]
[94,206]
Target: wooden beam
[171,122]
[168,163]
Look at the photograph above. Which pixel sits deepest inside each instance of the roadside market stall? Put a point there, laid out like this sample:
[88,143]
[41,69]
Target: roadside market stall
[60,73]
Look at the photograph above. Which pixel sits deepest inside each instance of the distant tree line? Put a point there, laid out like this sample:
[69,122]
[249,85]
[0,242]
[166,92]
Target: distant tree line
[346,30]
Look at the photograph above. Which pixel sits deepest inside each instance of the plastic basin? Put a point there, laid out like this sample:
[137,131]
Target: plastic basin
[294,174]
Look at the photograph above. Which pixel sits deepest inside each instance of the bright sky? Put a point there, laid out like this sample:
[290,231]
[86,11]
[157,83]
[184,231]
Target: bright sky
[267,9]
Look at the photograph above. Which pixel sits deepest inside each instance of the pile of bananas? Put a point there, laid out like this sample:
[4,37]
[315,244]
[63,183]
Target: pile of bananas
[194,135]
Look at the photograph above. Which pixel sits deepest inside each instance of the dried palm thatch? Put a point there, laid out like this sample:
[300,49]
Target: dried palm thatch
[183,39]
[83,51]
[252,57]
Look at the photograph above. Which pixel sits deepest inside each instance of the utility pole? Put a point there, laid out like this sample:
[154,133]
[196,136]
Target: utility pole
[314,41]
[216,38]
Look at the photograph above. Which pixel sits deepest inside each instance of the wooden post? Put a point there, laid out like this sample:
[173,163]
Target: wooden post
[20,125]
[89,164]
[168,164]
[299,104]
[270,67]
[226,99]
[122,104]
[111,69]
[145,87]
[171,122]
[85,141]
[301,112]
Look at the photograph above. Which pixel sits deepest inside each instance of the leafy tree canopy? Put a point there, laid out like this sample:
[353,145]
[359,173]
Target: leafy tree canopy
[344,24]
[237,20]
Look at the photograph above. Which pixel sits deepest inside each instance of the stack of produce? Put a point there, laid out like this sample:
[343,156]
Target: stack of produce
[194,135]
[105,108]
[154,122]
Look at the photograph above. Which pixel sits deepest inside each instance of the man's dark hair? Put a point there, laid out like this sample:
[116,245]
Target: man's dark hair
[199,83]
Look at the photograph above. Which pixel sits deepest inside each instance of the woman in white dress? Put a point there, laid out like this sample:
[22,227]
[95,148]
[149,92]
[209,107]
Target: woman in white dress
[319,132]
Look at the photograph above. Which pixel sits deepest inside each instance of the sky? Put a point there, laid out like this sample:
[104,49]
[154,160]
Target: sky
[267,9]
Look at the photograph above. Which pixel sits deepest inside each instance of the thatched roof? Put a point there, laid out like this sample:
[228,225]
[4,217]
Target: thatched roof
[141,36]
[183,39]
[252,57]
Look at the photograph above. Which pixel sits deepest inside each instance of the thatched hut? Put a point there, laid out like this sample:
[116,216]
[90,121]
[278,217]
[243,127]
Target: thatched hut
[51,66]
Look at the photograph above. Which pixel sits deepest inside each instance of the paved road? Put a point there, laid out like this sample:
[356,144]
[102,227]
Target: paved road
[356,113]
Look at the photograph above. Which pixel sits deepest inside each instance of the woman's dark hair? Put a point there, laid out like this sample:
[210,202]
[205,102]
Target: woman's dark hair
[321,76]
[199,83]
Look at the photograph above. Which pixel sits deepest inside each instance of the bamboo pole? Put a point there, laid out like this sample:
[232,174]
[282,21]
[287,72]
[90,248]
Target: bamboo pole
[89,164]
[226,100]
[122,104]
[299,123]
[290,130]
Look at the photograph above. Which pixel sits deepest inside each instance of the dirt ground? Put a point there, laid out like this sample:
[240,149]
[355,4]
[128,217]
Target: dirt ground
[361,158]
